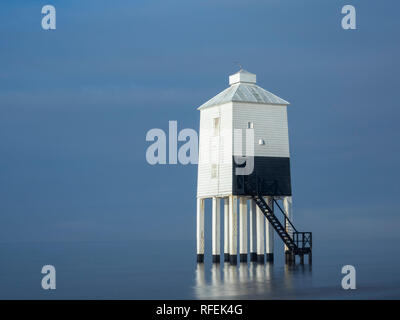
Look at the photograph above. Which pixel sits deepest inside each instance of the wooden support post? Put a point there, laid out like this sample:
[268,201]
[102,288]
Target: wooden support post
[260,235]
[226,229]
[253,231]
[216,240]
[200,230]
[233,229]
[243,229]
[269,233]
[287,206]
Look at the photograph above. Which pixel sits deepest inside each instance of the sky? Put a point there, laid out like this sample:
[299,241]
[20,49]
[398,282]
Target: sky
[76,104]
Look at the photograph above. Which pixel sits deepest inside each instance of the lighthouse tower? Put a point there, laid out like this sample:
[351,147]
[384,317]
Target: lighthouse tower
[244,162]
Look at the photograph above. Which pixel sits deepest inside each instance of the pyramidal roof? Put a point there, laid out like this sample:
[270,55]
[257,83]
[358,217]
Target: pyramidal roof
[243,88]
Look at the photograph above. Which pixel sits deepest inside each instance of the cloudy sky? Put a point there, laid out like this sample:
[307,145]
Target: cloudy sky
[76,104]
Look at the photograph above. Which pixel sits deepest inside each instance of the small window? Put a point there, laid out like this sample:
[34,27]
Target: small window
[250,125]
[214,171]
[216,122]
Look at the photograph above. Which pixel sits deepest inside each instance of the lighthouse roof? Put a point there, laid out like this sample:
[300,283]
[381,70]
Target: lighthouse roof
[243,88]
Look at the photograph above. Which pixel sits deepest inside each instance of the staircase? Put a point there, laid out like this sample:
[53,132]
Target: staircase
[297,243]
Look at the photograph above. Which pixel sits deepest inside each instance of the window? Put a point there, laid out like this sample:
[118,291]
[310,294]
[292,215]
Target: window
[216,126]
[214,171]
[250,125]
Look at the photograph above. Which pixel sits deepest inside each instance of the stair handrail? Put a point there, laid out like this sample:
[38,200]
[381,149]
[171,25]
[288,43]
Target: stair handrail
[271,213]
[284,214]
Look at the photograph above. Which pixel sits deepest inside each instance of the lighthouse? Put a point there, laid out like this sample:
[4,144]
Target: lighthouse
[244,169]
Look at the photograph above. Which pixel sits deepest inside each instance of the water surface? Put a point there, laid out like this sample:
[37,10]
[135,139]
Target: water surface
[167,270]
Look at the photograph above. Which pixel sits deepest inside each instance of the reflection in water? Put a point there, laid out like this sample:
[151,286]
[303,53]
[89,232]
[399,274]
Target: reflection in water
[251,280]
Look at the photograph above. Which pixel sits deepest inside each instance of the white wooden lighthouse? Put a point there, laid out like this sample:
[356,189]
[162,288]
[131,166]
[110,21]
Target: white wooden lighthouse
[244,161]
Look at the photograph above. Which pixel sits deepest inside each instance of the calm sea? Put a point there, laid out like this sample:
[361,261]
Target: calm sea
[167,270]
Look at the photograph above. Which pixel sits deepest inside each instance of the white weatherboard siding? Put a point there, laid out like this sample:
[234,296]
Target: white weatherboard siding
[217,150]
[270,124]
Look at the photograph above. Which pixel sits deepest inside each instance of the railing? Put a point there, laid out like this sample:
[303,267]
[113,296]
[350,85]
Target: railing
[303,240]
[287,220]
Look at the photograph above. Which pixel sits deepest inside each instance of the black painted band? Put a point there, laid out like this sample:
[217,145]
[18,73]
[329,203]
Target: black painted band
[226,257]
[270,177]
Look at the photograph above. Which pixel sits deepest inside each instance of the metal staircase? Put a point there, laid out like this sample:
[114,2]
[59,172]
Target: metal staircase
[297,243]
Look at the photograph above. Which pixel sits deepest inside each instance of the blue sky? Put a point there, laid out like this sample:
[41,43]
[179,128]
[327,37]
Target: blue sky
[76,103]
